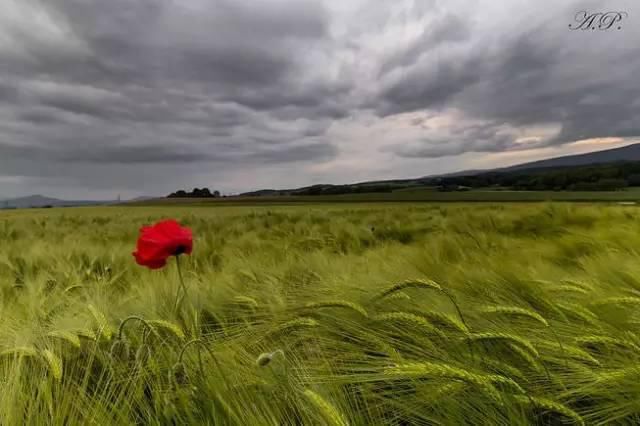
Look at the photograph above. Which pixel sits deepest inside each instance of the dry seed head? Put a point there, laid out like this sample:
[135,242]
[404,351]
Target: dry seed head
[179,374]
[49,286]
[264,359]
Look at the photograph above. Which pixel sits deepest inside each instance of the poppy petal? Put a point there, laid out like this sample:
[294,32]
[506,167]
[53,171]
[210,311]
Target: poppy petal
[156,243]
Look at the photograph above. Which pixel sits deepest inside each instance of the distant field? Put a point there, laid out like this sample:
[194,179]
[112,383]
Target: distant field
[325,314]
[419,195]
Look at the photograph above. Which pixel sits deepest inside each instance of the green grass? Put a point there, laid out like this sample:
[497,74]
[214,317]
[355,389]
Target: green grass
[332,314]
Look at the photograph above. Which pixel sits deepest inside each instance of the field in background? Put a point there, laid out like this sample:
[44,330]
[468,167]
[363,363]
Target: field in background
[414,195]
[365,314]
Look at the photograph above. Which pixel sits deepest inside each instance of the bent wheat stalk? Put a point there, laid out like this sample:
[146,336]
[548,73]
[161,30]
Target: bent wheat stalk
[201,344]
[133,318]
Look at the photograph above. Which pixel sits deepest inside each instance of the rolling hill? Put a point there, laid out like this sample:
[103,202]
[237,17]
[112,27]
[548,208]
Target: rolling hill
[42,201]
[627,153]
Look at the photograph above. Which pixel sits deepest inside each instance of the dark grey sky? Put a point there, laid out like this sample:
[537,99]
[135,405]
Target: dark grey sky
[139,97]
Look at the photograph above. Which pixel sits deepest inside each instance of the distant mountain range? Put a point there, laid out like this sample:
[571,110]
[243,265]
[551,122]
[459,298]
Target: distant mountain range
[42,201]
[624,154]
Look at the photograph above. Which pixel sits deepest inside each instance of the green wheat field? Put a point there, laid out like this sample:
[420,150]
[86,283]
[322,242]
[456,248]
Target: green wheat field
[324,314]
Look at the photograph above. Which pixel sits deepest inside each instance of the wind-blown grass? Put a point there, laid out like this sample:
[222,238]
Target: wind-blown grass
[324,314]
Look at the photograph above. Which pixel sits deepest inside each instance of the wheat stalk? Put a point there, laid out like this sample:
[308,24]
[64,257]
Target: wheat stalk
[428,369]
[515,311]
[167,325]
[201,345]
[549,405]
[338,304]
[417,283]
[302,322]
[399,295]
[20,351]
[610,378]
[580,312]
[408,318]
[569,289]
[531,361]
[101,320]
[329,412]
[573,352]
[444,320]
[54,363]
[85,333]
[424,284]
[503,337]
[246,301]
[497,379]
[606,341]
[65,335]
[580,284]
[446,390]
[623,300]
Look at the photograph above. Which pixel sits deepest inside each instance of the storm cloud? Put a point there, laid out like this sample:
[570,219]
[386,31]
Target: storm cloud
[145,96]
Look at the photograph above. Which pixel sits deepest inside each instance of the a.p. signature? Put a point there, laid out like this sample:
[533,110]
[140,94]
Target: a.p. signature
[598,20]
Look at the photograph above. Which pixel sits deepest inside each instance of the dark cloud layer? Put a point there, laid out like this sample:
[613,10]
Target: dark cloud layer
[97,92]
[581,82]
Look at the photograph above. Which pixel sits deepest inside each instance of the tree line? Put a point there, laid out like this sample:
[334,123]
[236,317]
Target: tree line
[196,193]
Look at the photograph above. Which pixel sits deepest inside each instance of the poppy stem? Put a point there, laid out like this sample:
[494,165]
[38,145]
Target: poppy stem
[182,290]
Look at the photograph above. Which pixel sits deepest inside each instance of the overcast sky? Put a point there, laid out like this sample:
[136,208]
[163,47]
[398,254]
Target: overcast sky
[142,97]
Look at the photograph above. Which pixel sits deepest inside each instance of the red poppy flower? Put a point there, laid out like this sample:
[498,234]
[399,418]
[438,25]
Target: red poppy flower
[156,243]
